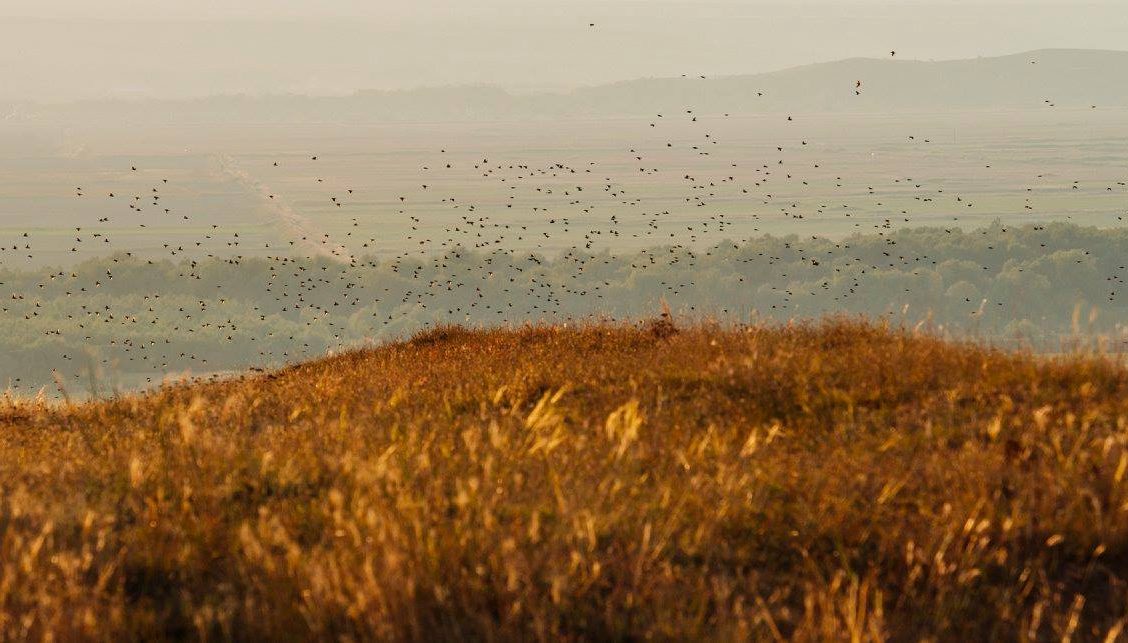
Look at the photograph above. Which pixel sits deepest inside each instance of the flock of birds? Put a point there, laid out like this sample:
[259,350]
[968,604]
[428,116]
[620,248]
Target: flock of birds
[563,212]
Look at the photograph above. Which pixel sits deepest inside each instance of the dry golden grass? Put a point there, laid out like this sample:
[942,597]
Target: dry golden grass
[811,482]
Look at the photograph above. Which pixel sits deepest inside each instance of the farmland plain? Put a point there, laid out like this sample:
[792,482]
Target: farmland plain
[625,184]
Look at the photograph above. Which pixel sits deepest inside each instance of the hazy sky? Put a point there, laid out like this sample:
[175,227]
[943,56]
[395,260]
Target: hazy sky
[65,49]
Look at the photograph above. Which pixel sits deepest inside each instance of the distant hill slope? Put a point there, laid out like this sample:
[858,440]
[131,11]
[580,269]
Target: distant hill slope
[1073,78]
[812,482]
[1065,77]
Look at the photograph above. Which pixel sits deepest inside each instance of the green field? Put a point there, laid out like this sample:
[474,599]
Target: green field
[697,182]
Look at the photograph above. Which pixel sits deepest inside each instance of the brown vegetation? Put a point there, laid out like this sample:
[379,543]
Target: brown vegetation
[823,481]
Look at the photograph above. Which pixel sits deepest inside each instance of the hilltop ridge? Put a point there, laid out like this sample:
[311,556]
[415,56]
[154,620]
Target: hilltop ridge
[608,482]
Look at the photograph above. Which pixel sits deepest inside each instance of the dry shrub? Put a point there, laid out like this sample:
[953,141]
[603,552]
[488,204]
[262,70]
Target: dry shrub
[663,327]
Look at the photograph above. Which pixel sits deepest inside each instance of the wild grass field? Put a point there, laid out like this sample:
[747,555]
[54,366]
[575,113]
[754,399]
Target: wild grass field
[823,481]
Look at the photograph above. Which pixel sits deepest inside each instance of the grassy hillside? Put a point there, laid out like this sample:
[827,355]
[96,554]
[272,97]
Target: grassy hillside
[810,481]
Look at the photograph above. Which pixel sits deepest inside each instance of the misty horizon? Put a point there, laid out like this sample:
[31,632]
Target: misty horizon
[61,51]
[564,90]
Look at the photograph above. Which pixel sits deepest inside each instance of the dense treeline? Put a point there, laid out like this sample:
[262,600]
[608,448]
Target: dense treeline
[106,321]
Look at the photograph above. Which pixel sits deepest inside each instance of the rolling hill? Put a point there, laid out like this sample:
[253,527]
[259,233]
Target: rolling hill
[831,481]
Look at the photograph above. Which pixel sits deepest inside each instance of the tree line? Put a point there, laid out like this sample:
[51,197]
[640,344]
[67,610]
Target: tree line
[121,319]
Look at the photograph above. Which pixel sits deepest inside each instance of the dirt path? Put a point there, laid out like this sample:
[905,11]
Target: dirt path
[304,232]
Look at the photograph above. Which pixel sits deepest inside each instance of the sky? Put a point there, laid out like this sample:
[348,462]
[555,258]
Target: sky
[61,50]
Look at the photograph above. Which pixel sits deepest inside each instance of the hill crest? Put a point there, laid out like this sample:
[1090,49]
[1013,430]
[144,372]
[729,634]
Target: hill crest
[796,481]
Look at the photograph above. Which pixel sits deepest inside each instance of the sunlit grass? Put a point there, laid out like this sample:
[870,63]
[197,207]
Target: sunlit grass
[825,481]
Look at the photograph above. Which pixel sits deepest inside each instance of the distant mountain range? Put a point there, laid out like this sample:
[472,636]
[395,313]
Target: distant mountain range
[1032,80]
